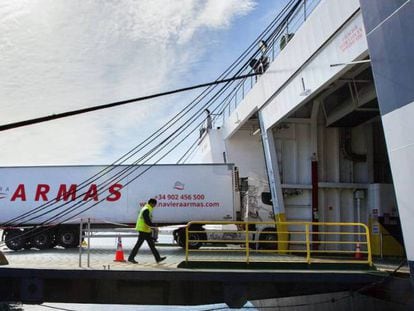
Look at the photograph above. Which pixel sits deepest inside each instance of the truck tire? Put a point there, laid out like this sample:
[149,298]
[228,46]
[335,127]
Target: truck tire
[268,235]
[55,241]
[181,238]
[28,244]
[14,240]
[68,237]
[43,239]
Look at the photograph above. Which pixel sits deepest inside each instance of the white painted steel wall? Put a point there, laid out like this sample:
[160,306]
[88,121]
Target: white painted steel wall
[399,129]
[303,53]
[317,73]
[342,176]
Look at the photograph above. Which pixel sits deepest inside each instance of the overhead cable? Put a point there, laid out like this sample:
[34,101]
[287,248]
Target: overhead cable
[115,104]
[163,129]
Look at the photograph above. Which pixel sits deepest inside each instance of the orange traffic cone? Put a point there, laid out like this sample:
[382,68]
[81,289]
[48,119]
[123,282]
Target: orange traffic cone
[119,254]
[358,254]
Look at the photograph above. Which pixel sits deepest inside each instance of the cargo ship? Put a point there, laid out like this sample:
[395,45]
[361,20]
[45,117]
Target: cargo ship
[327,123]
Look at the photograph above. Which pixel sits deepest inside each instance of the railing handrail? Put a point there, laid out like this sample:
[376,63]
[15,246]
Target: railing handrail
[298,17]
[244,228]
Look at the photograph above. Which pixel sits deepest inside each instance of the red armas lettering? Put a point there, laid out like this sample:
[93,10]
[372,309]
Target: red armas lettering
[65,192]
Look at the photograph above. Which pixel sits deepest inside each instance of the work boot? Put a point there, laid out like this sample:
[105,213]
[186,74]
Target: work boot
[132,260]
[161,259]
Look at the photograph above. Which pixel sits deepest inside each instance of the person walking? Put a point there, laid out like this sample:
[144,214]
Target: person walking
[143,226]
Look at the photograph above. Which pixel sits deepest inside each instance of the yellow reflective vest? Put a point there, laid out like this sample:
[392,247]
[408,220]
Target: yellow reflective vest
[141,225]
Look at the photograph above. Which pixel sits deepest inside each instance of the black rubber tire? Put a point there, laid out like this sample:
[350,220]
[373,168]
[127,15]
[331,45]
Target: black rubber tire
[14,240]
[192,236]
[43,239]
[267,235]
[68,237]
[28,245]
[55,241]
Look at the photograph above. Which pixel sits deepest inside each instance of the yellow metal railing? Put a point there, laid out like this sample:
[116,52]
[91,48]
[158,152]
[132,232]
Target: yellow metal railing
[322,242]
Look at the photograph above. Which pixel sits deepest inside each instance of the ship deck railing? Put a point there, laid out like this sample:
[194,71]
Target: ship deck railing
[276,42]
[294,242]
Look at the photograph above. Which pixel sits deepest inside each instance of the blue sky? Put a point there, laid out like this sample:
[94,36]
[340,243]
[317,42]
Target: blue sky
[62,55]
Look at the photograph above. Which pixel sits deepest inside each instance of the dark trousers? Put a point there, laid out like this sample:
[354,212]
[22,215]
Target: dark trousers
[145,236]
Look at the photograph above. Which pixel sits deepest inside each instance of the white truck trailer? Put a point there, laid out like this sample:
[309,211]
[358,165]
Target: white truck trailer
[42,207]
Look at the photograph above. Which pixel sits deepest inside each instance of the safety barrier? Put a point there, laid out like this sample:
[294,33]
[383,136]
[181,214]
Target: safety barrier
[310,242]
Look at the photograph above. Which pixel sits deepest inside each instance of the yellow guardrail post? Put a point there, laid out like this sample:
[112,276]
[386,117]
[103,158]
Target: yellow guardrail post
[308,256]
[368,238]
[282,233]
[246,225]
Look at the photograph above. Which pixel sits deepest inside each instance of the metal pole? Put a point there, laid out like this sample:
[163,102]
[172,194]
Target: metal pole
[89,241]
[186,243]
[272,167]
[315,202]
[247,242]
[80,246]
[359,218]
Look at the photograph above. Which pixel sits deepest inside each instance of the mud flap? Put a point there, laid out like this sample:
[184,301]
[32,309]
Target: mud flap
[3,260]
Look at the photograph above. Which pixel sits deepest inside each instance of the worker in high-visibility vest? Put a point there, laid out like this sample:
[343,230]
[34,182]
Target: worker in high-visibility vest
[144,224]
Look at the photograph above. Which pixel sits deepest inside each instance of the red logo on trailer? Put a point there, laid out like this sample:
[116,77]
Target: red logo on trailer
[66,193]
[178,185]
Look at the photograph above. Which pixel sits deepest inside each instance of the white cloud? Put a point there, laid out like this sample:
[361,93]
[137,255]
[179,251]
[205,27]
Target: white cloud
[59,55]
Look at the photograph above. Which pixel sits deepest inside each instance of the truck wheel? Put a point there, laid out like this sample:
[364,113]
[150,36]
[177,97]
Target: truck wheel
[43,239]
[14,240]
[55,241]
[268,235]
[68,238]
[192,236]
[27,245]
[195,236]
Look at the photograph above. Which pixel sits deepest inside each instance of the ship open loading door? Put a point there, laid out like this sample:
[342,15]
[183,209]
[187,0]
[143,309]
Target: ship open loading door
[333,161]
